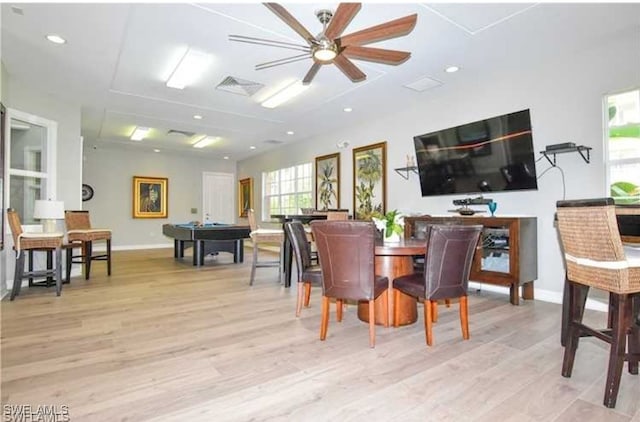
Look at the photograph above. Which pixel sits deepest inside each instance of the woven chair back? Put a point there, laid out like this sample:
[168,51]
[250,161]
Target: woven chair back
[593,250]
[77,220]
[14,224]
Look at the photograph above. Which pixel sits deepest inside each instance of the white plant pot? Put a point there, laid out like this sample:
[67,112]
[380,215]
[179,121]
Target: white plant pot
[394,238]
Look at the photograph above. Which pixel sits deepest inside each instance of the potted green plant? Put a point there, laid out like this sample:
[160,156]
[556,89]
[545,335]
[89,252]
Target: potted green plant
[391,224]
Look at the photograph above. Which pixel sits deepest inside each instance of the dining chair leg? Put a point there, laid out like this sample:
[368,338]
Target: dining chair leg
[447,302]
[464,317]
[385,307]
[428,321]
[434,311]
[372,324]
[58,271]
[307,294]
[300,298]
[396,308]
[324,322]
[339,303]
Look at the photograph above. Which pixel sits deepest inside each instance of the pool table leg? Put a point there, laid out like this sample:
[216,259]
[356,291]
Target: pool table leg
[238,255]
[178,248]
[198,253]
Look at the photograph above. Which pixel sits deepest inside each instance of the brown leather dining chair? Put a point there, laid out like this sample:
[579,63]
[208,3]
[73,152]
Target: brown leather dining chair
[23,242]
[308,274]
[79,231]
[347,250]
[450,250]
[595,257]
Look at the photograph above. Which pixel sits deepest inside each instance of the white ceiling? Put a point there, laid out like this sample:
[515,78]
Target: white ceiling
[118,56]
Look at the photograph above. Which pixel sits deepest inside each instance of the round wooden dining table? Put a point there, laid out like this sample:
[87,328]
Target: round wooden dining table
[394,260]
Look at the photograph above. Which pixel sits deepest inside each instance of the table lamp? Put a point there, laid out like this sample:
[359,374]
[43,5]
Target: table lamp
[49,211]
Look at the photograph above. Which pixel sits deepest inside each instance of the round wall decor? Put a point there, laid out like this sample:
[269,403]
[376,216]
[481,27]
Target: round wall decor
[87,192]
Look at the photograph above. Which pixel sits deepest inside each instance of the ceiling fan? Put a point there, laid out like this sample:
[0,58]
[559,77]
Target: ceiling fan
[329,47]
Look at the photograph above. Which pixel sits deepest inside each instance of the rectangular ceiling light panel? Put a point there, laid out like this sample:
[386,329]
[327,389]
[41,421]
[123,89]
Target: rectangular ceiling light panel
[204,142]
[285,95]
[140,133]
[191,66]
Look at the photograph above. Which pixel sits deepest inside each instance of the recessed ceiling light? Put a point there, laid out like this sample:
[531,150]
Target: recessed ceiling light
[190,67]
[205,141]
[56,39]
[197,117]
[252,147]
[226,157]
[139,133]
[290,132]
[156,150]
[285,95]
[452,69]
[347,109]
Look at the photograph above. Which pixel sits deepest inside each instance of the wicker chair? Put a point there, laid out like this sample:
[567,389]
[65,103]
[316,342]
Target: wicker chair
[595,257]
[259,237]
[79,231]
[34,242]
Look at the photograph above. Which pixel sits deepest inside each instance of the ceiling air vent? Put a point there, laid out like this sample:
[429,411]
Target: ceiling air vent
[181,132]
[239,86]
[423,84]
[273,142]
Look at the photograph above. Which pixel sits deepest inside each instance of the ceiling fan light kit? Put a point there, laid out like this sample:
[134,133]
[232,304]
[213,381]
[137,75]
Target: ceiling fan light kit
[331,47]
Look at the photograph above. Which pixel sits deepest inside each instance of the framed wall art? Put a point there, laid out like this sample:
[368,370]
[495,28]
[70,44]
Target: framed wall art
[369,180]
[328,182]
[245,196]
[150,197]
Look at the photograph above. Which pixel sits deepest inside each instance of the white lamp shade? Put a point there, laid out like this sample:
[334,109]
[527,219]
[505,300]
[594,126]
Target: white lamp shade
[50,210]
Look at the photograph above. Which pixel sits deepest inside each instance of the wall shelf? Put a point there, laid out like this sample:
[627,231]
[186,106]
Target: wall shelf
[580,149]
[406,171]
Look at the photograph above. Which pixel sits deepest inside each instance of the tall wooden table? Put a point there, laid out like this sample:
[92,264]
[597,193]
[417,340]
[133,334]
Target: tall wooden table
[394,260]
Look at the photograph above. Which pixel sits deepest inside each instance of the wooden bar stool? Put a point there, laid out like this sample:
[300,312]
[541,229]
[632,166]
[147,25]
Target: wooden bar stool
[595,257]
[260,236]
[28,242]
[79,231]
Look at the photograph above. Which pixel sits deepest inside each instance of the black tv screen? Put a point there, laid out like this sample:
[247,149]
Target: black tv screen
[490,155]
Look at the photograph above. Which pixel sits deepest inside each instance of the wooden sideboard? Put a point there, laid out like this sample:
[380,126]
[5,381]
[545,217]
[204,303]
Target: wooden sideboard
[507,253]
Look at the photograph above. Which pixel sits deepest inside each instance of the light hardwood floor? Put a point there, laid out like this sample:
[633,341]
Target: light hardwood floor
[161,340]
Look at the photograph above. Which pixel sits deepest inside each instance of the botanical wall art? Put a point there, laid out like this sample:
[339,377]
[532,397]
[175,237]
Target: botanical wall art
[150,197]
[328,182]
[369,180]
[245,196]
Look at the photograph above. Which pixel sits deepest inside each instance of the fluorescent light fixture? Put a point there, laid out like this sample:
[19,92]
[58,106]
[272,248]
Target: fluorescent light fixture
[56,39]
[189,69]
[140,133]
[197,117]
[452,69]
[285,95]
[205,141]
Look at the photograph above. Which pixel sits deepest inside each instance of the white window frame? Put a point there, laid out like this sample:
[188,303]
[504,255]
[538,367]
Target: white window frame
[608,161]
[266,209]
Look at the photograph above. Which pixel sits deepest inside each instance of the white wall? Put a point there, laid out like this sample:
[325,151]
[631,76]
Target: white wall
[566,103]
[110,172]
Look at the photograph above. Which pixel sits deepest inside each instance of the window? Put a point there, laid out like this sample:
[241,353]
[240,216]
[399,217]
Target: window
[623,147]
[287,190]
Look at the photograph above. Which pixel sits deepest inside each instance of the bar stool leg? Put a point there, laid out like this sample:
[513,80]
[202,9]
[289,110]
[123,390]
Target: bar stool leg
[618,347]
[108,256]
[87,259]
[17,278]
[58,271]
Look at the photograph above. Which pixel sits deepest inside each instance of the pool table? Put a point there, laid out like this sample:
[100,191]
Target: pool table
[207,239]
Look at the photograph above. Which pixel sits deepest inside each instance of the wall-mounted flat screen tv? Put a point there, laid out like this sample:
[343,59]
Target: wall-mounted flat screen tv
[490,155]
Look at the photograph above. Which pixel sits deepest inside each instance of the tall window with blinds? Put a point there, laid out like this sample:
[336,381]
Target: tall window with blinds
[287,190]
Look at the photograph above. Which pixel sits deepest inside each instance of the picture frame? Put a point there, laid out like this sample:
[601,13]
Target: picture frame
[369,180]
[328,182]
[245,196]
[150,197]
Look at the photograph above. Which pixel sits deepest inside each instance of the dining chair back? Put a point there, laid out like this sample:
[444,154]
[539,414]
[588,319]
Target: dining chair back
[346,250]
[260,236]
[308,274]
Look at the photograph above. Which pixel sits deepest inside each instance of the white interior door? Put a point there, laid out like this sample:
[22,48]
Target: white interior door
[218,193]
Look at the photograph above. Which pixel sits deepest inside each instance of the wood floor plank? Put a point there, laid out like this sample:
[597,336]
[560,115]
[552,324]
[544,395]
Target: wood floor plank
[161,340]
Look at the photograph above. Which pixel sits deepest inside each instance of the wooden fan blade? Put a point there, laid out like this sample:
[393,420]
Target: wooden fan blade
[377,55]
[287,18]
[311,74]
[392,29]
[341,19]
[349,69]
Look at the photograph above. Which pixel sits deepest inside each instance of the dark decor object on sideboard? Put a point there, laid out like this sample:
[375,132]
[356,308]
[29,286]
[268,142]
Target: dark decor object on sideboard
[489,155]
[507,251]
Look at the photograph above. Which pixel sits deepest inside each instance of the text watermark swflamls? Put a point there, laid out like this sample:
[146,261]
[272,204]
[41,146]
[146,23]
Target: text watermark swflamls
[39,413]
